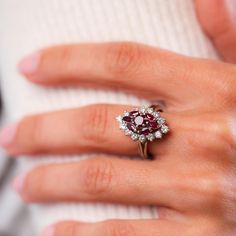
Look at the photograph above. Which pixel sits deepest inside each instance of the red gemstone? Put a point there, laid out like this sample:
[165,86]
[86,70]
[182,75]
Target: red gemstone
[145,131]
[141,123]
[134,113]
[149,116]
[139,127]
[153,124]
[131,127]
[127,119]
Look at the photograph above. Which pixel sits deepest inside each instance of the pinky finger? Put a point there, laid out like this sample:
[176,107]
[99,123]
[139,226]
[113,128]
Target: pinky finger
[117,228]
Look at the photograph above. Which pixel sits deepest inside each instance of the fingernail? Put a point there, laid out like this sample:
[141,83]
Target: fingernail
[48,231]
[7,135]
[18,183]
[29,64]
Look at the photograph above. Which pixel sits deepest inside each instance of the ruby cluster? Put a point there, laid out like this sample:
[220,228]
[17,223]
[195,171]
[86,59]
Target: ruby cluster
[142,124]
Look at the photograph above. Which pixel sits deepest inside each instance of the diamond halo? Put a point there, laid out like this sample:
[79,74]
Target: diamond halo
[143,124]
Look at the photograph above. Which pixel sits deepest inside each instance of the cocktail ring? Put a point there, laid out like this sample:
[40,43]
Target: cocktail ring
[143,125]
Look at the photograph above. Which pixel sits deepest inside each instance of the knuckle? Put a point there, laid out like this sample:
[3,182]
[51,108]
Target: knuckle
[123,58]
[214,188]
[216,137]
[116,228]
[210,190]
[66,54]
[228,184]
[223,83]
[218,133]
[227,93]
[216,129]
[206,189]
[95,127]
[97,176]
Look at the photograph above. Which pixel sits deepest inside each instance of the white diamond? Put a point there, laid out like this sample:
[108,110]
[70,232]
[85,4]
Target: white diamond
[138,120]
[150,137]
[142,138]
[164,129]
[126,113]
[156,114]
[122,126]
[119,118]
[142,110]
[128,132]
[150,110]
[158,134]
[161,121]
[135,137]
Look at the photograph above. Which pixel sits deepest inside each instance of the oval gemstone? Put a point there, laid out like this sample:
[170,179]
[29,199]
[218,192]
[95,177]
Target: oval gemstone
[126,118]
[131,127]
[134,113]
[154,124]
[145,131]
[139,129]
[149,116]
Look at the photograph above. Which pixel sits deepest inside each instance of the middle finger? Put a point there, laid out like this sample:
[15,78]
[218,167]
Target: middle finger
[103,179]
[173,185]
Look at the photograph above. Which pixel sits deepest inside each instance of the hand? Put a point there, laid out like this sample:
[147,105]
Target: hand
[218,19]
[193,175]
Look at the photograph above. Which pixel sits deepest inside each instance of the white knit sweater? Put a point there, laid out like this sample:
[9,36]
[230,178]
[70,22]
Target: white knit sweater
[27,25]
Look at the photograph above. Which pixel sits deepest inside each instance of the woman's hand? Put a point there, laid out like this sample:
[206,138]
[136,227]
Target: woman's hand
[192,177]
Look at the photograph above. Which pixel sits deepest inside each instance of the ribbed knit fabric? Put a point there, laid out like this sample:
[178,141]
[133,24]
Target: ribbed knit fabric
[27,25]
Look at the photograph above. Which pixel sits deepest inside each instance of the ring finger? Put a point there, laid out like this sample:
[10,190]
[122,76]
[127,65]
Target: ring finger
[87,129]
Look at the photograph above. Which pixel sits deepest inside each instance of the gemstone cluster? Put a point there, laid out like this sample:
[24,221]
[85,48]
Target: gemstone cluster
[143,124]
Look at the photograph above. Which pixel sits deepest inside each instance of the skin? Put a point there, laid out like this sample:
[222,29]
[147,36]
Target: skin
[192,177]
[218,20]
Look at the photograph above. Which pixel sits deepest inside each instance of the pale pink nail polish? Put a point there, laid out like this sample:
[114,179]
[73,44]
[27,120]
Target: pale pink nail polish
[18,183]
[29,64]
[7,135]
[49,231]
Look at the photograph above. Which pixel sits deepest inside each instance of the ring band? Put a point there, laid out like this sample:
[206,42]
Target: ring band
[144,125]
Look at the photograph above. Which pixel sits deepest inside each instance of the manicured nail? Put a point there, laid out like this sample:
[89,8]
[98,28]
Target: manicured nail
[7,135]
[29,64]
[48,231]
[18,183]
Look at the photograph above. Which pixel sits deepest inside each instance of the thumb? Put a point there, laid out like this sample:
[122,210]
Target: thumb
[218,20]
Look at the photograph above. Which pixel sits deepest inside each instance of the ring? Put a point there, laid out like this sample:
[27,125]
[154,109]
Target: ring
[144,125]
